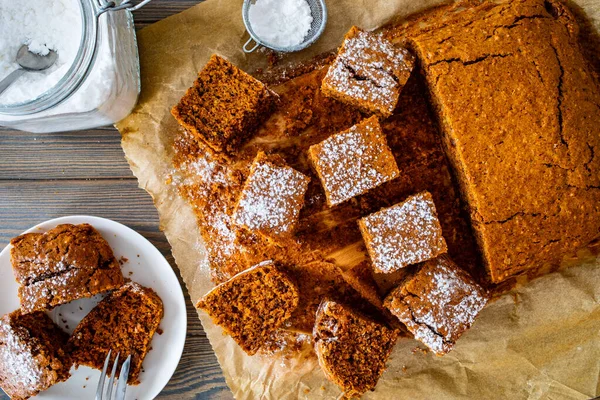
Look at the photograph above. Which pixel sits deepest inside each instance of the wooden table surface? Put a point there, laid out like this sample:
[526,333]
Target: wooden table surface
[44,176]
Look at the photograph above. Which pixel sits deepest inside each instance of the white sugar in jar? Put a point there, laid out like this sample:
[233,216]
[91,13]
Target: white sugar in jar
[95,80]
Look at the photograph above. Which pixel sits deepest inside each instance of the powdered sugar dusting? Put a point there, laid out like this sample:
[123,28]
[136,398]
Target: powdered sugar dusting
[404,234]
[19,369]
[354,161]
[271,199]
[438,315]
[371,69]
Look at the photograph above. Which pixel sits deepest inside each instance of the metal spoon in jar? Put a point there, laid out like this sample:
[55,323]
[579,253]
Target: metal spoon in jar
[29,62]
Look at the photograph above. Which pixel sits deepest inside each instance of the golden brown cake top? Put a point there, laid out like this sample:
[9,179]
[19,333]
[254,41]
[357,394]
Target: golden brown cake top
[252,305]
[272,197]
[352,349]
[519,105]
[437,303]
[369,72]
[403,234]
[353,161]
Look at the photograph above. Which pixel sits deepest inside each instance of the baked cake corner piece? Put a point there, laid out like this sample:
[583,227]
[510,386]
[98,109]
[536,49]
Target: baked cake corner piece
[32,354]
[437,303]
[403,234]
[272,197]
[352,349]
[125,321]
[368,73]
[225,105]
[354,161]
[67,263]
[252,305]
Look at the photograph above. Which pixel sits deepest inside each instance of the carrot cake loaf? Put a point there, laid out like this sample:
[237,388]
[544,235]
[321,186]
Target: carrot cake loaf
[124,322]
[354,161]
[368,73]
[32,354]
[352,349]
[520,108]
[224,106]
[252,305]
[437,303]
[66,263]
[271,198]
[403,234]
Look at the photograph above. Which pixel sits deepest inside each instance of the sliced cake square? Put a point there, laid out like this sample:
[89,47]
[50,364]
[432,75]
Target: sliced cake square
[272,197]
[368,73]
[224,106]
[252,305]
[32,354]
[403,234]
[124,322]
[352,349]
[437,303]
[353,162]
[66,263]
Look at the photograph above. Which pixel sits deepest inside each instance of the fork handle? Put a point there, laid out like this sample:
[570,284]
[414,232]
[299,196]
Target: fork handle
[10,78]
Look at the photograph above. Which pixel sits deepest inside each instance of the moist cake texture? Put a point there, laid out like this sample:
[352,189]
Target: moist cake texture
[32,354]
[66,263]
[224,106]
[353,161]
[252,305]
[437,303]
[352,349]
[272,197]
[520,108]
[368,73]
[124,322]
[403,234]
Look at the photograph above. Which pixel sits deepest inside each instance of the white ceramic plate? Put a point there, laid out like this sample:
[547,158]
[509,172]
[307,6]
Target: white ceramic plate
[145,265]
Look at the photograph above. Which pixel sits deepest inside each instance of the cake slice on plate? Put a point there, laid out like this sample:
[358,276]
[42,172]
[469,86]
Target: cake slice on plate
[33,354]
[124,322]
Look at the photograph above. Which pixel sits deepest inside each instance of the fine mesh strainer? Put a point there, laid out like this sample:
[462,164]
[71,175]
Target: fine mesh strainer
[319,15]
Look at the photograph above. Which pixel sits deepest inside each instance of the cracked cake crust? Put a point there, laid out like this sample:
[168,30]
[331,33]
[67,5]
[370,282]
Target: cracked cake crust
[530,174]
[437,303]
[368,73]
[66,263]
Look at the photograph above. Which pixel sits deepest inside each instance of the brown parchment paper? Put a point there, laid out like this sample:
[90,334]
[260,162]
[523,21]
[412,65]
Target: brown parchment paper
[540,341]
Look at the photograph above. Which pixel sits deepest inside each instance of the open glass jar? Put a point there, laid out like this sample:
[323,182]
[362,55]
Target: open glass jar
[102,84]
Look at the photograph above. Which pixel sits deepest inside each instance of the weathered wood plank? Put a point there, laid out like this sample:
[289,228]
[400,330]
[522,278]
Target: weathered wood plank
[70,155]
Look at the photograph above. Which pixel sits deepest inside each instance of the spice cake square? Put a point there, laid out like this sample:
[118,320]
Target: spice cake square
[252,305]
[66,263]
[518,106]
[368,73]
[271,198]
[437,303]
[353,162]
[124,322]
[32,354]
[352,349]
[403,234]
[224,106]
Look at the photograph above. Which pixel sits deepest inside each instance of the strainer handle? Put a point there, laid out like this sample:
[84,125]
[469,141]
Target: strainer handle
[245,46]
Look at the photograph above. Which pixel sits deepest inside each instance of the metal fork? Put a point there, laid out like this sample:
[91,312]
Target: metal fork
[107,393]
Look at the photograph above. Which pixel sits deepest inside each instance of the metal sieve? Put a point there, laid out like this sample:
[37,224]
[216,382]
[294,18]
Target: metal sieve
[319,15]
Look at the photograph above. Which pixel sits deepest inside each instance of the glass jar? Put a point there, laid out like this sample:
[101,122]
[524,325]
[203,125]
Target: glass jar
[101,86]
